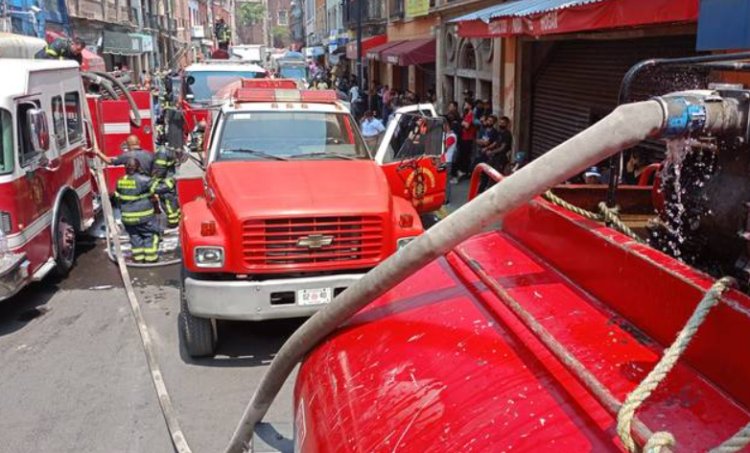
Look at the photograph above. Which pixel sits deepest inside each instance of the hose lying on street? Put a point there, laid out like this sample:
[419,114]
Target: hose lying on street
[165,401]
[626,126]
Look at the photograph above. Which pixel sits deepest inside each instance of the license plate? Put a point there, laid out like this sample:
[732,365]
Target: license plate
[314,296]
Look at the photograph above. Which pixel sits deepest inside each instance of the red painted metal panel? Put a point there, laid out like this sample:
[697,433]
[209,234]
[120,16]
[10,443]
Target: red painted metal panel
[146,132]
[441,364]
[588,17]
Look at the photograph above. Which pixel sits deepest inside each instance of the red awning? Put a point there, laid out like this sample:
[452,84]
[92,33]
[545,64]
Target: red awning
[408,53]
[367,44]
[376,53]
[535,18]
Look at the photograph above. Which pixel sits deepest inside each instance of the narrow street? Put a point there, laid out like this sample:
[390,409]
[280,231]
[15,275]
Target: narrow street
[75,377]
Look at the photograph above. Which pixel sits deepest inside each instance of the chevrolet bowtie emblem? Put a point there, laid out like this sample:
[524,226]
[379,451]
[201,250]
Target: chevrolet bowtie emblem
[315,241]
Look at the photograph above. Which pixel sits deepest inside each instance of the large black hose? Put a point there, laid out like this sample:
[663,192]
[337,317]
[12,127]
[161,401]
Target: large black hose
[102,82]
[135,116]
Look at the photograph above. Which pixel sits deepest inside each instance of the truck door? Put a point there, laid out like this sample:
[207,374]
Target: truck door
[33,189]
[410,153]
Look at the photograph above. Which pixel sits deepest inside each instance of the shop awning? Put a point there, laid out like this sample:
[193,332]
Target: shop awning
[549,17]
[376,52]
[117,43]
[367,44]
[408,53]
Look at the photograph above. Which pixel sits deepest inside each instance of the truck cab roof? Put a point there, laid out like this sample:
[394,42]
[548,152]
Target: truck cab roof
[225,66]
[17,72]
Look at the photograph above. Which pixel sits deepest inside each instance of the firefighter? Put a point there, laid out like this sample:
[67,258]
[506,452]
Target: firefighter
[163,183]
[222,33]
[138,215]
[174,123]
[63,49]
[196,137]
[132,150]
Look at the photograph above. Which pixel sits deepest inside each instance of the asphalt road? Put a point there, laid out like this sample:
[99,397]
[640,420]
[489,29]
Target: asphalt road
[74,377]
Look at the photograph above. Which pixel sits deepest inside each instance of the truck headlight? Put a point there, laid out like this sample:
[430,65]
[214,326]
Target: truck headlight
[209,257]
[401,243]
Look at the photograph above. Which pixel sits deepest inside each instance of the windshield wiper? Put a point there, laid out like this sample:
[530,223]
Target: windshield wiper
[324,154]
[254,153]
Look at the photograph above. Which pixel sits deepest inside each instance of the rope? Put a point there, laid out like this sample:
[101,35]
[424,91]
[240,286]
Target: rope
[612,218]
[608,215]
[671,355]
[736,442]
[551,197]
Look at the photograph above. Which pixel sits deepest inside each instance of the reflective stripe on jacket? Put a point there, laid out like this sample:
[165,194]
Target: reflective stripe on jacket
[134,191]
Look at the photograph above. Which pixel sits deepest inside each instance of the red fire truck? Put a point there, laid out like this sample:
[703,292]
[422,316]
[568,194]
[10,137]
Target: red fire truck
[293,208]
[47,194]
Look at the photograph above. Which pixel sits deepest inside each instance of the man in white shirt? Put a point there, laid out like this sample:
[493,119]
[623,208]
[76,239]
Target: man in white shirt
[371,126]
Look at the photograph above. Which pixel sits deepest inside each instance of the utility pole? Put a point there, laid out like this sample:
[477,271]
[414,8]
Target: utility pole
[360,68]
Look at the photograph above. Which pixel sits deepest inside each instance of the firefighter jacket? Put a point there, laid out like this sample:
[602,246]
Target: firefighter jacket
[165,163]
[221,31]
[59,49]
[134,193]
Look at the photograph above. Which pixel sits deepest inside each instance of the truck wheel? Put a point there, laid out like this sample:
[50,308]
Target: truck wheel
[65,241]
[198,334]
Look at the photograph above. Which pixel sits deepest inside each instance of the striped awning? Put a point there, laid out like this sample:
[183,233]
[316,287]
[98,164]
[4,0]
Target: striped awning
[549,17]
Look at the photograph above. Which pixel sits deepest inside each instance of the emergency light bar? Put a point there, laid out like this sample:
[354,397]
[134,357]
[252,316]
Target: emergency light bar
[269,83]
[285,95]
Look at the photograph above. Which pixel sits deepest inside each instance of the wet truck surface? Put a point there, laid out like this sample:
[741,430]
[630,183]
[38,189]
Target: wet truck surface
[451,359]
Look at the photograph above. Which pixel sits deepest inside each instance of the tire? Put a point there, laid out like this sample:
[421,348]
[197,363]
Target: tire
[65,249]
[198,334]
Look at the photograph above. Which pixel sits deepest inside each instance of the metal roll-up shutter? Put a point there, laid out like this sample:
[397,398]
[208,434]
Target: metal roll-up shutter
[578,83]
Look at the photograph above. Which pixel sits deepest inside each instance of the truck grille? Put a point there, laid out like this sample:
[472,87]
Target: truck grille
[308,241]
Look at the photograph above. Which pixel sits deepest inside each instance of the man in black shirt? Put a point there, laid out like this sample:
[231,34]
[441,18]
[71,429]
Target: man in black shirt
[487,143]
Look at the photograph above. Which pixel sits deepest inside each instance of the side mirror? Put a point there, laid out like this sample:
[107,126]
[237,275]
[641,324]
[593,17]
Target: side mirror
[36,119]
[190,80]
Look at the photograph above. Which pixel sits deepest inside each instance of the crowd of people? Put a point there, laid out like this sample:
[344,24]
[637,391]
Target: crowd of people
[476,135]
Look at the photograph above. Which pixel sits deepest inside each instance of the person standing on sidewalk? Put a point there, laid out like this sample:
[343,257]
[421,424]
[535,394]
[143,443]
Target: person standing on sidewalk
[462,162]
[451,144]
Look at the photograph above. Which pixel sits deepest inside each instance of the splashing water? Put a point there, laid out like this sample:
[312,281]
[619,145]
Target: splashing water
[687,168]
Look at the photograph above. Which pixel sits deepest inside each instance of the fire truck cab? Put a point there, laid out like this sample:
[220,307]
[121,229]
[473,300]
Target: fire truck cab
[205,84]
[292,209]
[46,194]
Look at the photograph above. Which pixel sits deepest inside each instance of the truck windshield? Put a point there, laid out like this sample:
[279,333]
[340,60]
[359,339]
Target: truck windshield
[208,83]
[290,135]
[6,141]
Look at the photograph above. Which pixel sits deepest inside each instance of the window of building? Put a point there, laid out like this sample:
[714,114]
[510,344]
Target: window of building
[58,121]
[283,17]
[73,116]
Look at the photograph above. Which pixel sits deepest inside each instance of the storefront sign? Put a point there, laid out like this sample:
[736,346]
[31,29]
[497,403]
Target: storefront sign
[147,43]
[579,16]
[117,43]
[416,8]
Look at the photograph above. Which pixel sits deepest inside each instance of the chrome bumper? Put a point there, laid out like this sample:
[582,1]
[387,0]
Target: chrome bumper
[14,274]
[252,301]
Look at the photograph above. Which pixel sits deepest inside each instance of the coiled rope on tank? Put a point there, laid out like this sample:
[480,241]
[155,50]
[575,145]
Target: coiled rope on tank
[635,399]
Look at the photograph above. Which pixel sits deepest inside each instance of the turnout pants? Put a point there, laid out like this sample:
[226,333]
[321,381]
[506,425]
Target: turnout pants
[165,189]
[144,240]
